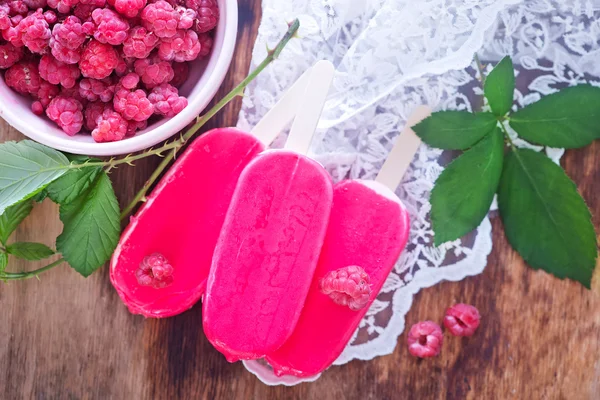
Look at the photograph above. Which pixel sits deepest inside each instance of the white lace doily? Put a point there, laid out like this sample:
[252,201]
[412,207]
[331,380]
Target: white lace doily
[390,56]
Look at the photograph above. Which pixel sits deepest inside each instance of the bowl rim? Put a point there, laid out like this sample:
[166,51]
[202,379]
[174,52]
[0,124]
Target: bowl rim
[218,67]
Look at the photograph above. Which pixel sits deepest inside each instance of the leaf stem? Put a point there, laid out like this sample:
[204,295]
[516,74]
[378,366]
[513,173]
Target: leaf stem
[480,69]
[15,276]
[506,135]
[200,121]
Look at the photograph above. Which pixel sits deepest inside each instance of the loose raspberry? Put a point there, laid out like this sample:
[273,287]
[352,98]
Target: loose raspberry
[155,271]
[24,77]
[63,6]
[66,113]
[97,89]
[67,39]
[134,126]
[37,108]
[206,43]
[139,43]
[153,71]
[125,65]
[73,93]
[129,8]
[83,11]
[184,46]
[208,14]
[166,100]
[160,18]
[348,286]
[50,17]
[93,3]
[110,27]
[46,93]
[92,112]
[133,105]
[98,60]
[130,81]
[35,4]
[180,74]
[462,319]
[425,339]
[187,17]
[4,17]
[9,55]
[111,127]
[57,72]
[35,32]
[18,7]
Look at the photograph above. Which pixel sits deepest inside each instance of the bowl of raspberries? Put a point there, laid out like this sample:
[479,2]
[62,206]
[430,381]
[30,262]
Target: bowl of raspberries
[107,77]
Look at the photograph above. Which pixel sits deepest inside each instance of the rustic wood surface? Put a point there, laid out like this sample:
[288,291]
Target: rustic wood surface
[66,337]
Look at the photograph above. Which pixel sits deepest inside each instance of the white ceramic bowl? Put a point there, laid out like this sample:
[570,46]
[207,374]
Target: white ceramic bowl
[205,77]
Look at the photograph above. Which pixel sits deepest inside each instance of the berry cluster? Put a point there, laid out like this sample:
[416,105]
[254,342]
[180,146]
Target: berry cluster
[105,66]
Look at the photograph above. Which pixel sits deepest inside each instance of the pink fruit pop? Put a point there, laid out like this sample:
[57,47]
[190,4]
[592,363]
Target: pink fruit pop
[367,231]
[161,264]
[269,246]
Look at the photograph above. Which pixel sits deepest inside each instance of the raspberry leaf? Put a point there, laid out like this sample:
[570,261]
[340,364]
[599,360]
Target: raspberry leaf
[463,193]
[12,217]
[3,261]
[455,130]
[29,251]
[69,186]
[545,218]
[569,118]
[91,227]
[499,87]
[26,168]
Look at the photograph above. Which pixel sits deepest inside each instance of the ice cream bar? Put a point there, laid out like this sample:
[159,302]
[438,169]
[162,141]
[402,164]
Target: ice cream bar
[161,264]
[270,242]
[368,229]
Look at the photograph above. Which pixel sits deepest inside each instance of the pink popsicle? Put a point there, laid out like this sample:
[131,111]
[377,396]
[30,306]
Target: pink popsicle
[266,254]
[368,228]
[181,220]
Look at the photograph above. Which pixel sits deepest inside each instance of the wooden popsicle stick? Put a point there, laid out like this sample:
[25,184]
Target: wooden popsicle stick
[404,150]
[283,112]
[309,112]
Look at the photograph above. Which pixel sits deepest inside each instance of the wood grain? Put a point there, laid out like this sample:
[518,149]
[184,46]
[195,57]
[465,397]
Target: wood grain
[66,337]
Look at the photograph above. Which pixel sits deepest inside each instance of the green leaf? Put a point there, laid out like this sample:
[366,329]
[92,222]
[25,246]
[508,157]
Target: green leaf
[3,261]
[30,251]
[455,130]
[40,196]
[463,193]
[91,227]
[499,87]
[12,217]
[569,118]
[545,219]
[69,186]
[26,168]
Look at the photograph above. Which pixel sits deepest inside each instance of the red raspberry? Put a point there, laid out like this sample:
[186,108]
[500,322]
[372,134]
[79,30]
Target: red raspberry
[160,18]
[57,72]
[155,271]
[63,6]
[462,319]
[23,77]
[35,32]
[111,127]
[153,71]
[110,27]
[425,339]
[35,4]
[73,93]
[84,11]
[92,112]
[50,17]
[133,105]
[129,8]
[98,60]
[97,89]
[187,17]
[9,55]
[206,43]
[125,65]
[184,46]
[208,14]
[180,74]
[93,3]
[18,7]
[130,81]
[139,43]
[66,113]
[134,126]
[37,108]
[4,17]
[166,100]
[46,93]
[67,39]
[348,286]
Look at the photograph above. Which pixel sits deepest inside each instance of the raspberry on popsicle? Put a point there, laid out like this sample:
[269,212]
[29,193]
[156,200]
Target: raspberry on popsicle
[368,229]
[270,242]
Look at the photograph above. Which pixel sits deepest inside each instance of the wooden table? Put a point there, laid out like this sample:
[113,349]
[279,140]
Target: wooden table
[71,338]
